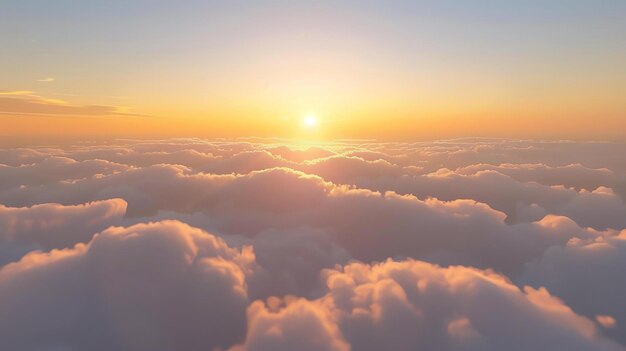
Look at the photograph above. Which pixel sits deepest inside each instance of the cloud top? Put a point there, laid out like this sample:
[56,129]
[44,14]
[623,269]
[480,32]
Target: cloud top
[473,244]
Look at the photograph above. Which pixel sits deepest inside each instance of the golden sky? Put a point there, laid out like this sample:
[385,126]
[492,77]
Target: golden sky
[397,70]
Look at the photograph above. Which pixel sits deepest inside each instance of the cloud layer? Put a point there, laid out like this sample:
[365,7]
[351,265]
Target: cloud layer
[234,245]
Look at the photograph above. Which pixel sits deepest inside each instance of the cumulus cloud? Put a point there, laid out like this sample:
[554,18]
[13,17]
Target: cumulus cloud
[20,156]
[54,169]
[571,176]
[413,305]
[287,254]
[166,285]
[600,208]
[53,226]
[157,286]
[584,274]
[525,192]
[301,325]
[370,225]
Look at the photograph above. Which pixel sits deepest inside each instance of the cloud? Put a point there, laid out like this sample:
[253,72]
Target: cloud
[166,285]
[30,104]
[290,261]
[54,169]
[301,325]
[583,273]
[600,208]
[525,192]
[157,286]
[370,225]
[606,321]
[53,226]
[46,80]
[412,305]
[20,156]
[17,92]
[272,218]
[571,176]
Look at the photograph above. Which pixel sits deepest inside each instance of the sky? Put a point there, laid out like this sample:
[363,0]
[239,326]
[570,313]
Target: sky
[385,70]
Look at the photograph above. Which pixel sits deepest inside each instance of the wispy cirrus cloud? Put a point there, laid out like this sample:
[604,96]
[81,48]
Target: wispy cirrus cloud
[29,103]
[46,80]
[16,92]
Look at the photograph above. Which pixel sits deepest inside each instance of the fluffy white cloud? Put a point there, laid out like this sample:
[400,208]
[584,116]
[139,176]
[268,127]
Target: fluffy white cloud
[584,273]
[524,191]
[413,305]
[301,325]
[370,225]
[518,208]
[571,176]
[54,169]
[50,226]
[600,208]
[156,286]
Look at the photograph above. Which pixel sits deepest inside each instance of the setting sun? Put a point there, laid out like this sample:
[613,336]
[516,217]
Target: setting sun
[310,121]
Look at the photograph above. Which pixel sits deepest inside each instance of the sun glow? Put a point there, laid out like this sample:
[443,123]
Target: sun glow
[310,121]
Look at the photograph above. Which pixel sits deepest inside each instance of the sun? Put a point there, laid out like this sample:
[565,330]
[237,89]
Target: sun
[310,121]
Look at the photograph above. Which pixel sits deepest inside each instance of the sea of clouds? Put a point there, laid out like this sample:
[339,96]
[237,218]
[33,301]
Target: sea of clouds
[189,244]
